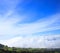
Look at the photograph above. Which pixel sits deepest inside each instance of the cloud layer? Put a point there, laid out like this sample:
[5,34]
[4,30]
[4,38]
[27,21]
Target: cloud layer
[50,41]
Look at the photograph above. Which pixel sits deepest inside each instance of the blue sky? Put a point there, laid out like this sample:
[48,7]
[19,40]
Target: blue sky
[30,23]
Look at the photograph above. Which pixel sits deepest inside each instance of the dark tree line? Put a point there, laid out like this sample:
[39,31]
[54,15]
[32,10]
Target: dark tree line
[6,49]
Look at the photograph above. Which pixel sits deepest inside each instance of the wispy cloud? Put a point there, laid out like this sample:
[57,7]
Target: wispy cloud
[9,4]
[11,25]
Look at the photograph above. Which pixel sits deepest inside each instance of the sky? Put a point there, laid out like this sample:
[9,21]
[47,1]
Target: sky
[30,23]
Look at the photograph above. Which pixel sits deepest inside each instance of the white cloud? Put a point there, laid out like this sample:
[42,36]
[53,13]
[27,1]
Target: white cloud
[10,26]
[48,41]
